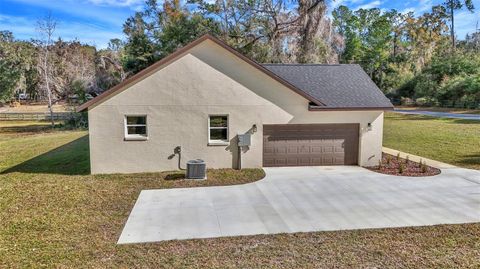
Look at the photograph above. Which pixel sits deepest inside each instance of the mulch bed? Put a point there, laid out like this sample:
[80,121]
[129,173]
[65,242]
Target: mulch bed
[391,166]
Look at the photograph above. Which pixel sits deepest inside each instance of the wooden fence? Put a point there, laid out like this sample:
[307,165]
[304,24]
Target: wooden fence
[34,116]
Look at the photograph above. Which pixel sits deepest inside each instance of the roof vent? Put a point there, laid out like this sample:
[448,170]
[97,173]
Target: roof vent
[196,169]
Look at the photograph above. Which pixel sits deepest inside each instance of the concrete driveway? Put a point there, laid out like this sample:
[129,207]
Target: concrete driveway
[305,199]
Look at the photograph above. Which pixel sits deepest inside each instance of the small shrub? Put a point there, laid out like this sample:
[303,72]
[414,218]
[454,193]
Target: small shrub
[389,159]
[422,101]
[423,167]
[77,121]
[426,101]
[420,164]
[401,168]
[405,101]
[398,156]
[407,160]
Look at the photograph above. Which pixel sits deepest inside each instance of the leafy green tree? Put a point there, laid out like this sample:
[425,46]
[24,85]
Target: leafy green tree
[184,29]
[368,39]
[425,36]
[451,80]
[9,74]
[451,6]
[17,66]
[159,30]
[398,22]
[140,50]
[348,26]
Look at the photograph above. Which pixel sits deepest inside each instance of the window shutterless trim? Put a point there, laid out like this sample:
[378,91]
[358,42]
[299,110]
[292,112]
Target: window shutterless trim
[216,142]
[135,137]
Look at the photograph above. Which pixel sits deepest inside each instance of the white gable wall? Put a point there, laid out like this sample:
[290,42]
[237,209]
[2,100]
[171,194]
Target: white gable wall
[179,97]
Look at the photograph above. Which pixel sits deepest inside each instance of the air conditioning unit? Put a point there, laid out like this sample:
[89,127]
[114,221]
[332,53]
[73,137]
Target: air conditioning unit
[196,169]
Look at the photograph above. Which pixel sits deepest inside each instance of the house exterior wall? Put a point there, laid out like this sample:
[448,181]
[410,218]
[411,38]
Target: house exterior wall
[178,99]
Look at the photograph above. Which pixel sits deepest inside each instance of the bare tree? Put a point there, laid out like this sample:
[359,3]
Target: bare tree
[46,28]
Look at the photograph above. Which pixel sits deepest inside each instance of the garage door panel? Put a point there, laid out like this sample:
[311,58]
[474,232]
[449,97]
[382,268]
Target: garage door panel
[310,144]
[292,150]
[340,161]
[328,149]
[292,161]
[304,161]
[339,149]
[269,149]
[304,149]
[281,150]
[327,161]
[268,162]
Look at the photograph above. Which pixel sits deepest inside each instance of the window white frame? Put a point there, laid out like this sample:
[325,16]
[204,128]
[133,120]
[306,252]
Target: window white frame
[218,142]
[137,137]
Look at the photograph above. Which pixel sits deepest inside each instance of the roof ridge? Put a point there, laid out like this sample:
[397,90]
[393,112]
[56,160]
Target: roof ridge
[299,64]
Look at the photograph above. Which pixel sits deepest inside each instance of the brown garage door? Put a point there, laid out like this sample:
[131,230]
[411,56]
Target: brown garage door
[310,144]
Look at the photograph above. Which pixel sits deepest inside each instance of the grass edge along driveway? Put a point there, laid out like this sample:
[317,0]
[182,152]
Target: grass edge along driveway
[451,141]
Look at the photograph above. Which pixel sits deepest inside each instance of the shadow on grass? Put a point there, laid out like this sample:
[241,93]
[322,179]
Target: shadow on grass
[429,118]
[471,159]
[175,176]
[462,121]
[27,128]
[69,159]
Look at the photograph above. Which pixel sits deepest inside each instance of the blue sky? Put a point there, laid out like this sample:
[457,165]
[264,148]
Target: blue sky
[95,22]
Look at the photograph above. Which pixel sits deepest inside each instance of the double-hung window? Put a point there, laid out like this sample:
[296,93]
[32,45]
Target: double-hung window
[218,129]
[136,127]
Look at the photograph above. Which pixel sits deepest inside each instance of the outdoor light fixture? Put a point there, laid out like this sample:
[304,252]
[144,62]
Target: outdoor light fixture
[254,128]
[369,126]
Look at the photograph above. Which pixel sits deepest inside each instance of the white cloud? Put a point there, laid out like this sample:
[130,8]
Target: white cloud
[336,3]
[370,5]
[118,3]
[423,6]
[333,4]
[407,10]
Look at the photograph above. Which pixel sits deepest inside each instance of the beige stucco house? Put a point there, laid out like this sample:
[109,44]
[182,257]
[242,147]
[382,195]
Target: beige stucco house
[205,94]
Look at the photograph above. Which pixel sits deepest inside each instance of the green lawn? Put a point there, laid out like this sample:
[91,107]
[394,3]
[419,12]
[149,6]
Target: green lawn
[451,141]
[54,214]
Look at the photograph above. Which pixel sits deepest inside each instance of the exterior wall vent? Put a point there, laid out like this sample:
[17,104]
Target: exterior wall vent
[196,169]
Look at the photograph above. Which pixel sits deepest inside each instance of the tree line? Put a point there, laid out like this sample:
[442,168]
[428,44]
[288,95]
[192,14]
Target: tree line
[411,58]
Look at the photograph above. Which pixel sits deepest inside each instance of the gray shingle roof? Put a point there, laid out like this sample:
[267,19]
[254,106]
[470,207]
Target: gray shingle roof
[337,86]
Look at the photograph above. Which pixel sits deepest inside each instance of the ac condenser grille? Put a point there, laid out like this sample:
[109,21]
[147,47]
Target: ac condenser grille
[196,169]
